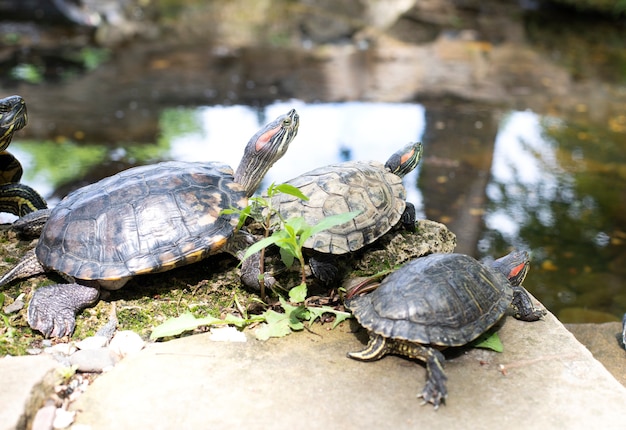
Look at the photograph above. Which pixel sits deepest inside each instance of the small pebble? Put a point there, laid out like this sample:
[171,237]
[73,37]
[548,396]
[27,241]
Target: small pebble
[44,418]
[93,342]
[63,418]
[16,306]
[93,360]
[126,342]
[61,348]
[227,334]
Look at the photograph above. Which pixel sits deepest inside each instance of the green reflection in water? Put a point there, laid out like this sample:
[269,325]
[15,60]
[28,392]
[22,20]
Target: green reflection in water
[49,165]
[578,234]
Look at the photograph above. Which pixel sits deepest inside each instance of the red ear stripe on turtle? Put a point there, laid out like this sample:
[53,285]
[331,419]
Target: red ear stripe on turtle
[406,156]
[265,138]
[516,270]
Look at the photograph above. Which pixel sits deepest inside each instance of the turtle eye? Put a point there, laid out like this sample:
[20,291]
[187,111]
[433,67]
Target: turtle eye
[286,122]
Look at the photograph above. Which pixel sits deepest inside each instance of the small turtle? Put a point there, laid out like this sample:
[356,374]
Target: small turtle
[144,220]
[439,301]
[16,198]
[368,187]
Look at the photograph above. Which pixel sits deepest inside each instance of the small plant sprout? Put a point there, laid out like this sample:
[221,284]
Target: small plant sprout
[290,236]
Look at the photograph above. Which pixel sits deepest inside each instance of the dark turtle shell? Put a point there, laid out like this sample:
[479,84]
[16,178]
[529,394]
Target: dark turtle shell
[142,220]
[362,186]
[440,299]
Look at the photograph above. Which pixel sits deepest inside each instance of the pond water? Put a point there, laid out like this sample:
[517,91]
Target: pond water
[522,120]
[530,198]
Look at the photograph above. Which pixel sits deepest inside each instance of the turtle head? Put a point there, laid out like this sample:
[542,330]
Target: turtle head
[12,118]
[405,160]
[264,149]
[514,266]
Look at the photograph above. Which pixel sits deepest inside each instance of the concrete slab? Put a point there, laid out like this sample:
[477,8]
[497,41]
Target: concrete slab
[25,380]
[544,379]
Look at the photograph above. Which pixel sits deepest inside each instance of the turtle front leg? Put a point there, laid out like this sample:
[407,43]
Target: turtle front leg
[53,308]
[435,390]
[251,266]
[522,306]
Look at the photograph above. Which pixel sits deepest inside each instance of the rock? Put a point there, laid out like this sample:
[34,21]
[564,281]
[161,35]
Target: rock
[227,334]
[63,418]
[16,306]
[93,342]
[93,360]
[44,418]
[126,342]
[398,247]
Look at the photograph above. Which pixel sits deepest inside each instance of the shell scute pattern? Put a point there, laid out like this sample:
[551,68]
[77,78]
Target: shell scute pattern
[366,187]
[126,235]
[452,299]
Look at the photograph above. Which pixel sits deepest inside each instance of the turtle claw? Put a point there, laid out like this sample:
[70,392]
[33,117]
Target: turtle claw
[432,395]
[53,308]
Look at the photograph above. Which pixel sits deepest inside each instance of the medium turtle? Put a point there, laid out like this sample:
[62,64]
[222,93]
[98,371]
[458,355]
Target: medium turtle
[16,198]
[368,187]
[439,301]
[144,220]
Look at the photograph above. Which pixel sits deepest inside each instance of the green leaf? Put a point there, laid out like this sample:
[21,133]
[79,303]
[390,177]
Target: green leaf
[298,294]
[291,190]
[257,246]
[296,226]
[489,341]
[317,312]
[276,325]
[287,257]
[178,325]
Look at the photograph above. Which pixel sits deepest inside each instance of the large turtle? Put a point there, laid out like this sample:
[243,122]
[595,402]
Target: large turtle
[16,198]
[439,301]
[374,190]
[144,220]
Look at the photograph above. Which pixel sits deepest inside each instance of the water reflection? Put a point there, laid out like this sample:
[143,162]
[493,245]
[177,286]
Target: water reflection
[538,200]
[520,181]
[329,133]
[524,176]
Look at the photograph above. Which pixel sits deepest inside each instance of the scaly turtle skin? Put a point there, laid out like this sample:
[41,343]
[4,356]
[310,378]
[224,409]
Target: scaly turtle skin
[439,301]
[373,189]
[144,220]
[15,198]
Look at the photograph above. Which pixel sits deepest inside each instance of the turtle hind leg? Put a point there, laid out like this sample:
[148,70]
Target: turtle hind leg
[325,267]
[376,349]
[522,306]
[53,308]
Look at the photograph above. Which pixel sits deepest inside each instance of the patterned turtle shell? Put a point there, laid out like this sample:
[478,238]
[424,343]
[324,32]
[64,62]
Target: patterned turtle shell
[374,190]
[156,217]
[142,220]
[440,299]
